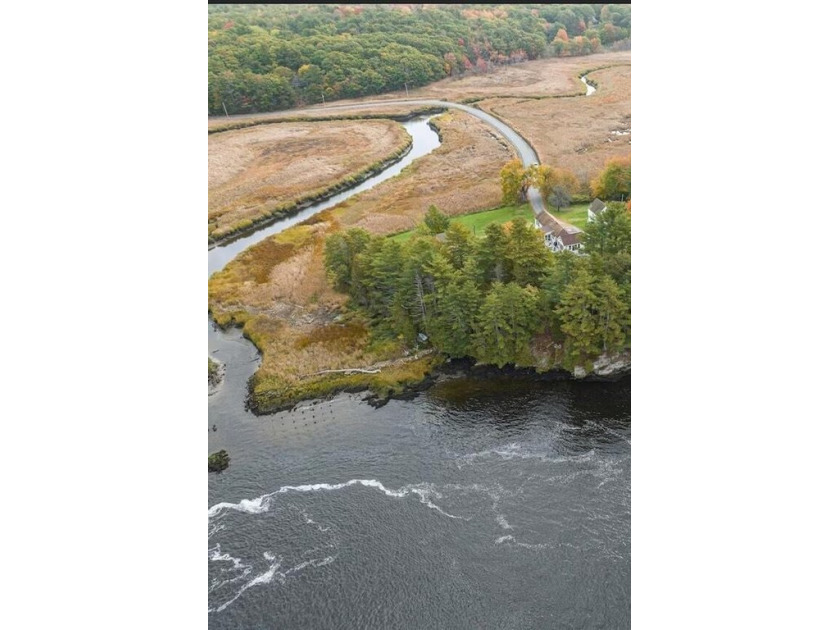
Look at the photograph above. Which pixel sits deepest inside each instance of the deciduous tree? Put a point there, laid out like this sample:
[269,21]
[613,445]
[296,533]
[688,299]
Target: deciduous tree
[614,181]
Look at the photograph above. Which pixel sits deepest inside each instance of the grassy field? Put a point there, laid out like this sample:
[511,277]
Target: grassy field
[477,222]
[254,171]
[574,133]
[576,214]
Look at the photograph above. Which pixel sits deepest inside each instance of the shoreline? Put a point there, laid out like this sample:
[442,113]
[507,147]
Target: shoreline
[214,381]
[440,371]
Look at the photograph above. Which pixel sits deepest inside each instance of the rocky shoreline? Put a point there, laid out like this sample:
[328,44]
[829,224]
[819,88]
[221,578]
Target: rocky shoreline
[215,377]
[604,369]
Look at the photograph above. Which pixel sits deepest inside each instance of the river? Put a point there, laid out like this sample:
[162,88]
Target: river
[480,503]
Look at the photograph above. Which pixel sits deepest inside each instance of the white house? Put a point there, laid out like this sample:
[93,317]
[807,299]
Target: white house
[558,236]
[595,208]
[568,239]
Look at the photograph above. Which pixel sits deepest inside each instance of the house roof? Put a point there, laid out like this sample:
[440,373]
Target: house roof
[567,237]
[596,206]
[566,229]
[546,221]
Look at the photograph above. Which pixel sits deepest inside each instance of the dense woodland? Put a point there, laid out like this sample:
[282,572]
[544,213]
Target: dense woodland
[501,299]
[271,57]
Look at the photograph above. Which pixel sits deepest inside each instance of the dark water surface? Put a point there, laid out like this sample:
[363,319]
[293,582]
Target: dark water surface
[478,504]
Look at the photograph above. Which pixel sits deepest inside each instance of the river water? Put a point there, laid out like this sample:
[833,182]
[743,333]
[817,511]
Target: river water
[424,140]
[480,503]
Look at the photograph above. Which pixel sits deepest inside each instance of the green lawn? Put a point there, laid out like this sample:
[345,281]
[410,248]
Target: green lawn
[478,221]
[575,214]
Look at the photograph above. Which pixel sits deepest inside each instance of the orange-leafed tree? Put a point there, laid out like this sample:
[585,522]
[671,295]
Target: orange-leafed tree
[614,181]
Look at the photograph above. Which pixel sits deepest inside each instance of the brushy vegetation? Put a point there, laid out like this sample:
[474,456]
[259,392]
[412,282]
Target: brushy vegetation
[213,370]
[218,461]
[267,397]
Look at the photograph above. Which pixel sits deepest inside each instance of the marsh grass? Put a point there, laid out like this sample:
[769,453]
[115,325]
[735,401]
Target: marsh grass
[574,133]
[278,292]
[269,183]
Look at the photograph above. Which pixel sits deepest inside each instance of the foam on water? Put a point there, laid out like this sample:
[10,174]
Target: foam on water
[215,528]
[250,506]
[515,451]
[512,540]
[262,503]
[502,521]
[267,577]
[215,554]
[309,521]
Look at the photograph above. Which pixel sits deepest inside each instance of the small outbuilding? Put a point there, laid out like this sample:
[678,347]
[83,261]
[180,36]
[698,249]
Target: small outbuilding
[595,208]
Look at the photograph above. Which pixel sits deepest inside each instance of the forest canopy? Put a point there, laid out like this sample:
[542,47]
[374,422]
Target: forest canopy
[271,57]
[501,299]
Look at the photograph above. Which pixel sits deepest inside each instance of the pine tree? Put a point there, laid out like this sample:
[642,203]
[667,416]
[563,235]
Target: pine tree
[527,256]
[579,319]
[506,322]
[460,244]
[458,303]
[340,251]
[609,233]
[435,220]
[491,260]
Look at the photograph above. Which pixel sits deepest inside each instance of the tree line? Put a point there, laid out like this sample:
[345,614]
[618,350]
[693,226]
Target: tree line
[268,57]
[560,187]
[501,299]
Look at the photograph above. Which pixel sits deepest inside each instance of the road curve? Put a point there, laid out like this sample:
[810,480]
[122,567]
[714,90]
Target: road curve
[526,153]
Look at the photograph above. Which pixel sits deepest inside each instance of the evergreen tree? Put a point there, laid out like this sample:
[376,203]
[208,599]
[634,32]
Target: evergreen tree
[609,233]
[492,264]
[579,319]
[435,220]
[528,259]
[381,268]
[506,322]
[460,244]
[340,251]
[562,271]
[416,286]
[595,319]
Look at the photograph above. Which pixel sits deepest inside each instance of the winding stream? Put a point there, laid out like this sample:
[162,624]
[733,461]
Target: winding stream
[424,141]
[501,503]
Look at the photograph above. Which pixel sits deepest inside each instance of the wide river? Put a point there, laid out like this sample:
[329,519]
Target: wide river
[501,503]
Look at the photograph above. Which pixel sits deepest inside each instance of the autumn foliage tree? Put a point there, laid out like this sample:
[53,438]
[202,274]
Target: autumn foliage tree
[614,181]
[256,52]
[515,180]
[558,186]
